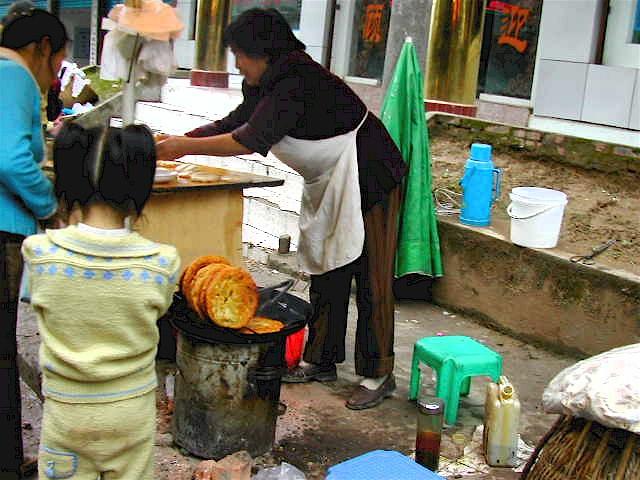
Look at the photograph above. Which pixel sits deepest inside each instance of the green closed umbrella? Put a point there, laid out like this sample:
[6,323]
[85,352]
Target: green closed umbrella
[403,115]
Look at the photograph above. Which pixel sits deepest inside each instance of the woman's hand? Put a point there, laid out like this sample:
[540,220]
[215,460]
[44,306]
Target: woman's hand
[170,147]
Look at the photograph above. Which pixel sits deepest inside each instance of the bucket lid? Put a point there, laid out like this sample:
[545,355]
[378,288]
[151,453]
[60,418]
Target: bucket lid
[538,195]
[481,152]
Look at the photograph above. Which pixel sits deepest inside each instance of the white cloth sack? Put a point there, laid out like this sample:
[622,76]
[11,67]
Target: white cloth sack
[604,388]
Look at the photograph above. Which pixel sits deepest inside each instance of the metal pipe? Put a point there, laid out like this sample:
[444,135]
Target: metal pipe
[453,58]
[212,18]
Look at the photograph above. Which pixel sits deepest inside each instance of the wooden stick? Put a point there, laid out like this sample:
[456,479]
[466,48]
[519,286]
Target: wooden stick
[626,456]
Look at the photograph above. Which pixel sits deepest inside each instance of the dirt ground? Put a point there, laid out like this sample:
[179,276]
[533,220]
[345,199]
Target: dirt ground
[317,431]
[602,206]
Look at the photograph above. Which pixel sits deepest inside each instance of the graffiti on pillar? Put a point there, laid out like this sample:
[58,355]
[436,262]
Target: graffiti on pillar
[513,21]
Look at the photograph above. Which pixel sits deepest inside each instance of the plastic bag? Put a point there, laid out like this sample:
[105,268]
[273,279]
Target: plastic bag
[157,57]
[114,65]
[282,472]
[604,388]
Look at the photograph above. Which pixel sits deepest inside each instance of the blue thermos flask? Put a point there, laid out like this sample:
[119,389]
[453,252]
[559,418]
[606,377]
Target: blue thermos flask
[480,187]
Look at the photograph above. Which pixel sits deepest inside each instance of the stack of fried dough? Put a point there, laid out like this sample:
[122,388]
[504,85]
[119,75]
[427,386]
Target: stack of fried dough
[225,294]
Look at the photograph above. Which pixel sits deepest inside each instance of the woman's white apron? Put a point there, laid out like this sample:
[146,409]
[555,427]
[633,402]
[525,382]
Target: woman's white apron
[331,223]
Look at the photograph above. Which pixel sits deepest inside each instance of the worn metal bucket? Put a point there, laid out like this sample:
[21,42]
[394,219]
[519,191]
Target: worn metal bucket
[227,391]
[225,400]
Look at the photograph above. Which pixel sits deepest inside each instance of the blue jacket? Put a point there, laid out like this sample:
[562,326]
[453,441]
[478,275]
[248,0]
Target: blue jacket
[26,194]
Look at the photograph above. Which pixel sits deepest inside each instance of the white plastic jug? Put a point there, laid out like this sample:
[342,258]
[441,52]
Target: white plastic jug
[501,421]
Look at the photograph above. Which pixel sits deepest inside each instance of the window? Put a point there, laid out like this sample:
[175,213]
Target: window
[290,9]
[369,41]
[509,46]
[635,34]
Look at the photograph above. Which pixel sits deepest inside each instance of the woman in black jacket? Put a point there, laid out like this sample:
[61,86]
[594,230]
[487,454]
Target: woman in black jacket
[313,122]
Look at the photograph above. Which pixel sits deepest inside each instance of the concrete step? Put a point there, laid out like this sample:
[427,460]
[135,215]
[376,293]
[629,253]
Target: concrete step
[211,103]
[265,222]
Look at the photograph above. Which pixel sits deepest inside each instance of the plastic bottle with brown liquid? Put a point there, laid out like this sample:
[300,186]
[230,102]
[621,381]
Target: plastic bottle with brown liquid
[429,431]
[501,422]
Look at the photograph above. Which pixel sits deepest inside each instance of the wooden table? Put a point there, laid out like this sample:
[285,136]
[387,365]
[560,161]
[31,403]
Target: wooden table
[200,218]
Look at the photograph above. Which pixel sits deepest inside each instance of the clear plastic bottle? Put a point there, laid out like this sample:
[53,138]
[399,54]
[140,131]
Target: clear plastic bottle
[501,422]
[429,431]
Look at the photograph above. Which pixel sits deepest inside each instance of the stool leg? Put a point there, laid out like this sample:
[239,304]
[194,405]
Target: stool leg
[448,389]
[414,383]
[466,386]
[498,369]
[453,400]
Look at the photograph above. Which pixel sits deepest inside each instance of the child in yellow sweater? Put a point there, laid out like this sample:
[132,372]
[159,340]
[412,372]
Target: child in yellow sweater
[98,290]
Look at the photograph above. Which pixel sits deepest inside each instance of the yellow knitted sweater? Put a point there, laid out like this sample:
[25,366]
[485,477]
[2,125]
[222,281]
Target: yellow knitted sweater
[97,299]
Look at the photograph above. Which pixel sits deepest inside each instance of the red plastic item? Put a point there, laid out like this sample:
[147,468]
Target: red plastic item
[294,347]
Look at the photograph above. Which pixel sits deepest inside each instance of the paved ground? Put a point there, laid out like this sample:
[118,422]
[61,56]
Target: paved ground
[317,431]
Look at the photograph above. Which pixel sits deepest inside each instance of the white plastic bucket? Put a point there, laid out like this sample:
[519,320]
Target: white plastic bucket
[536,216]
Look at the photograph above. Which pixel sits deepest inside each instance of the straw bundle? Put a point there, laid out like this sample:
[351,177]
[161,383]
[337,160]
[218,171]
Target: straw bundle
[578,449]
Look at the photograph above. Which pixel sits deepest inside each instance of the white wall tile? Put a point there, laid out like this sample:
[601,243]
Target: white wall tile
[608,95]
[560,89]
[569,30]
[634,119]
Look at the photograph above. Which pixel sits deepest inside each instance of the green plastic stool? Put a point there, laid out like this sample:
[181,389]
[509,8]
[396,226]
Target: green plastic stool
[455,360]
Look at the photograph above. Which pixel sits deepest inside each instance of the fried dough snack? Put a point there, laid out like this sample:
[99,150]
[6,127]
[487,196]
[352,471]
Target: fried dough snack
[167,164]
[191,271]
[199,285]
[231,298]
[262,325]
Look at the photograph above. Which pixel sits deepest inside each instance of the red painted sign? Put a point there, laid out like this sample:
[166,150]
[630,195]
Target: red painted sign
[514,19]
[372,31]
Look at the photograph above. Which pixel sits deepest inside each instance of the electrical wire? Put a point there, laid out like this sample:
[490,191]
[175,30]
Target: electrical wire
[447,201]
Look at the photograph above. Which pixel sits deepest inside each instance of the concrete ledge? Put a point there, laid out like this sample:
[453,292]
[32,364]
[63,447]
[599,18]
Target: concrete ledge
[537,295]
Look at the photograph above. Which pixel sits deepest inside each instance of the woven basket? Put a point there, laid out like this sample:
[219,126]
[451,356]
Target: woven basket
[577,449]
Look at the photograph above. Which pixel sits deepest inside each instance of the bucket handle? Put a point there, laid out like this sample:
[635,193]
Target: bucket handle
[286,286]
[497,182]
[535,214]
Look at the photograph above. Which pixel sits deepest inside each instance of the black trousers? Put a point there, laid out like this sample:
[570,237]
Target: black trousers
[11,454]
[329,294]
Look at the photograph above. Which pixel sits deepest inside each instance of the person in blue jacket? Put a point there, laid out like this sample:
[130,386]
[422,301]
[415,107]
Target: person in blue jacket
[32,46]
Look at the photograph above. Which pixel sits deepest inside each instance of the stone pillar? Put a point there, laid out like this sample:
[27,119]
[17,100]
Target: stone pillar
[95,32]
[453,59]
[409,18]
[210,66]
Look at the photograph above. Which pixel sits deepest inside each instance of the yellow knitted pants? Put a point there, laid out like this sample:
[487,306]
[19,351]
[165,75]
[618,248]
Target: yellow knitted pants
[98,441]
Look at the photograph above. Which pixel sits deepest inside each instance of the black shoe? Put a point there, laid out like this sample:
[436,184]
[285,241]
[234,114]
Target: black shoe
[312,371]
[364,398]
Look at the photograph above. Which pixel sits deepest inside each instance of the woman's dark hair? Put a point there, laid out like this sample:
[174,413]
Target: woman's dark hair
[23,26]
[113,166]
[262,33]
